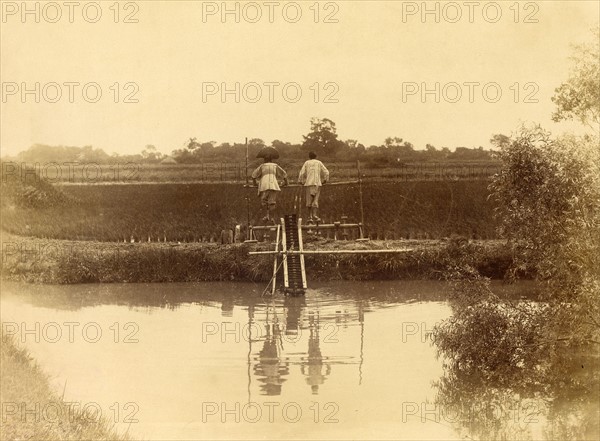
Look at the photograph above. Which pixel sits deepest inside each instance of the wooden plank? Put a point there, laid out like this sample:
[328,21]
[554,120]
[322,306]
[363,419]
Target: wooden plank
[275,261]
[386,251]
[286,280]
[301,249]
[302,185]
[311,227]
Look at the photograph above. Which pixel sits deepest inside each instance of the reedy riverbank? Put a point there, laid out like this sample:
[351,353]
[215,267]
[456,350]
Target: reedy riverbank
[65,262]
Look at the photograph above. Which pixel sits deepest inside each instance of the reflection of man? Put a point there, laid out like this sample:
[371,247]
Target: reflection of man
[314,374]
[227,307]
[313,175]
[268,187]
[269,365]
[293,307]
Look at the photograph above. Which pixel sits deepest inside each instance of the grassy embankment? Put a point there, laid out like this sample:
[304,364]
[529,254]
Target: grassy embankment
[25,387]
[57,261]
[83,233]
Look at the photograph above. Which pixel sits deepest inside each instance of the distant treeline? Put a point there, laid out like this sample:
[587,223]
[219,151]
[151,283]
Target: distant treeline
[394,152]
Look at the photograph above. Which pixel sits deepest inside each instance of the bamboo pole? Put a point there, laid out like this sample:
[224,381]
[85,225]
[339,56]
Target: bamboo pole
[300,185]
[310,226]
[362,211]
[246,160]
[284,252]
[274,281]
[247,197]
[255,253]
[301,249]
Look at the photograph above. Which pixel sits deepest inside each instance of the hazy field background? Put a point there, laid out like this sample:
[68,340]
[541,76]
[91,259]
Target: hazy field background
[196,212]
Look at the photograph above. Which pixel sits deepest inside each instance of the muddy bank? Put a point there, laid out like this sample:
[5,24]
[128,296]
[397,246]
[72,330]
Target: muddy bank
[64,262]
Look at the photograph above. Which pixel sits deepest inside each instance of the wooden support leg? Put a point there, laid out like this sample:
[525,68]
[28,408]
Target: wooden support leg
[275,261]
[286,281]
[301,249]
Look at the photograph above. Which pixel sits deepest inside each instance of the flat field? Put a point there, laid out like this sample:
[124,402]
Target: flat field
[235,171]
[198,212]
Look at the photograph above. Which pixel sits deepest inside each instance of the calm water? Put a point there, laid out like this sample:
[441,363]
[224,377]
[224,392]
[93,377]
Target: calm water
[218,361]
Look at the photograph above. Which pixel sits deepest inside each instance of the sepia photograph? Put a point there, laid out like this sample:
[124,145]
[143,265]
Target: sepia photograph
[300,220]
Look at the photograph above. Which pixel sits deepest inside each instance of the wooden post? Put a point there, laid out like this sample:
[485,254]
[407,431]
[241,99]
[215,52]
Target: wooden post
[362,211]
[301,249]
[300,202]
[250,232]
[246,161]
[286,280]
[274,281]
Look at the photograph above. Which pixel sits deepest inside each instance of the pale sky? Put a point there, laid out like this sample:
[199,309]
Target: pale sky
[370,55]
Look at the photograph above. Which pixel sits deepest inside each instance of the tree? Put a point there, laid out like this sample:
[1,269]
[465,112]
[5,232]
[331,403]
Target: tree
[322,137]
[279,144]
[192,144]
[548,204]
[256,142]
[396,148]
[500,140]
[151,154]
[547,196]
[352,143]
[579,97]
[392,142]
[46,153]
[207,147]
[352,150]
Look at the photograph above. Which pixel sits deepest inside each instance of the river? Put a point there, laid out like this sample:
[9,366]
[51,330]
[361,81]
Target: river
[219,361]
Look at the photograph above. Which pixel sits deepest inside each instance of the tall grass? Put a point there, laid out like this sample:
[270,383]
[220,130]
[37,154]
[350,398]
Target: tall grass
[56,261]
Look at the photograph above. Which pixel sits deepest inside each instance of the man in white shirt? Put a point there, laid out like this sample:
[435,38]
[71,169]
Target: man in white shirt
[313,175]
[267,175]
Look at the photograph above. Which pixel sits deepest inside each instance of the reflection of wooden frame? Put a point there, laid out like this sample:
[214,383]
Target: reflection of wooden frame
[275,261]
[301,249]
[386,251]
[286,280]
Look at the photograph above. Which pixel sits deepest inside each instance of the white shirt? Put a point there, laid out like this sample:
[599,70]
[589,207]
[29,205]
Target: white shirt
[268,174]
[313,172]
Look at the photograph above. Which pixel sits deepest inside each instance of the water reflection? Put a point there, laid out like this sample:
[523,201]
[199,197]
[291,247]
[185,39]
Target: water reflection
[291,321]
[566,407]
[226,295]
[341,343]
[315,366]
[272,365]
